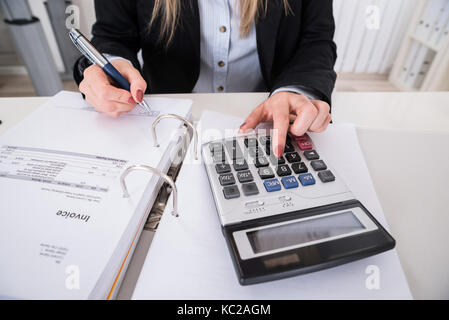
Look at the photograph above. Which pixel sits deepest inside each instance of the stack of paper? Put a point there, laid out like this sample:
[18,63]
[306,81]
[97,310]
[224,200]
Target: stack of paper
[65,229]
[189,259]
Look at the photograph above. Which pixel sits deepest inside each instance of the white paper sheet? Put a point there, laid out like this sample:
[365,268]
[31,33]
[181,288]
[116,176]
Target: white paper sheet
[62,211]
[189,259]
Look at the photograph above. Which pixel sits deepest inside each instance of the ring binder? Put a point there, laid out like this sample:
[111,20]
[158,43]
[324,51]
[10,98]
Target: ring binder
[155,171]
[174,116]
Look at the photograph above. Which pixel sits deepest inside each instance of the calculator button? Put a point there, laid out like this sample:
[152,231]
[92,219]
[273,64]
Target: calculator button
[254,204]
[255,152]
[275,160]
[304,137]
[288,147]
[299,167]
[245,176]
[240,164]
[234,149]
[306,179]
[219,157]
[311,155]
[215,148]
[293,157]
[264,140]
[231,192]
[283,170]
[251,142]
[226,179]
[222,168]
[326,176]
[250,189]
[261,162]
[304,144]
[272,185]
[266,173]
[290,182]
[318,165]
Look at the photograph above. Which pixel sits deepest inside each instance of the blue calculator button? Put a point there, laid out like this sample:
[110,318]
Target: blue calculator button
[306,179]
[289,182]
[272,185]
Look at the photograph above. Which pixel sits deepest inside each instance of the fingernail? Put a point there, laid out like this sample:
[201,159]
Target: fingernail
[139,96]
[242,124]
[280,151]
[131,101]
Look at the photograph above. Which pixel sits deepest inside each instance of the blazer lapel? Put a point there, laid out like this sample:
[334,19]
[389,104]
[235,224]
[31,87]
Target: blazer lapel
[266,33]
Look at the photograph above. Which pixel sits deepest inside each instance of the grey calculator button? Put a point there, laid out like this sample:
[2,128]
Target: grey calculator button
[318,165]
[254,204]
[240,164]
[266,173]
[326,176]
[219,157]
[251,142]
[261,162]
[299,167]
[216,147]
[234,149]
[250,189]
[311,155]
[245,176]
[283,170]
[255,152]
[231,192]
[222,168]
[227,179]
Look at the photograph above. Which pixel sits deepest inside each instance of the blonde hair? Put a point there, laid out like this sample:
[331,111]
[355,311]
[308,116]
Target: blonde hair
[169,11]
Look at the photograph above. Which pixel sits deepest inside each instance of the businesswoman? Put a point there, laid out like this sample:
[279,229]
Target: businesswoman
[281,46]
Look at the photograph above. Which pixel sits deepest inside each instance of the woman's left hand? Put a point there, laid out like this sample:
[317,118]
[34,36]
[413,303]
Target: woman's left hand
[283,107]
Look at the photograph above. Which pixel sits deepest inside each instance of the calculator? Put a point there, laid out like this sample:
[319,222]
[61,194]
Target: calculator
[286,216]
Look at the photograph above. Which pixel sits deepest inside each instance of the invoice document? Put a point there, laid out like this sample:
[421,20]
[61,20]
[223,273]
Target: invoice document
[189,259]
[65,227]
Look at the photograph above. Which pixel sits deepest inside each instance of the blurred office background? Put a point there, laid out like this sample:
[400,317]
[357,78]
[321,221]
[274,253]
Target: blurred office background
[383,45]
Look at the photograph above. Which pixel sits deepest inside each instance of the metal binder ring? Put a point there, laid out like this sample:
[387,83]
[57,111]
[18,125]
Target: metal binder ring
[187,123]
[155,171]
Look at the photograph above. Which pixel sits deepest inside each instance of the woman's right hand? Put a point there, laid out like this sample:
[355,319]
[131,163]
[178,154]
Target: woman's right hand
[105,97]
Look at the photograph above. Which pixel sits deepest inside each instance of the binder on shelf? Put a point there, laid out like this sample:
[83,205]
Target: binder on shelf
[414,76]
[438,28]
[74,235]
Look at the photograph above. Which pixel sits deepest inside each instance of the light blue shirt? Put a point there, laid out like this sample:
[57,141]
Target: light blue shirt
[229,63]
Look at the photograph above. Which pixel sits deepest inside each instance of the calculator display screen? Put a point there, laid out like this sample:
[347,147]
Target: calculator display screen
[301,232]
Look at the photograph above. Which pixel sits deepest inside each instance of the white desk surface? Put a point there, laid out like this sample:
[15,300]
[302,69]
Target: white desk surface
[405,141]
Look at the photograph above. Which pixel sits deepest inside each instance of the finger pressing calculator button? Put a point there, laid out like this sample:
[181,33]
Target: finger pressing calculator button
[311,155]
[290,182]
[276,161]
[261,162]
[326,176]
[245,176]
[222,168]
[227,179]
[272,185]
[231,192]
[266,173]
[240,164]
[250,189]
[306,179]
[299,167]
[293,157]
[283,170]
[318,165]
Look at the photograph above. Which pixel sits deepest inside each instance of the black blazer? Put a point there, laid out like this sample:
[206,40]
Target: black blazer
[296,49]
